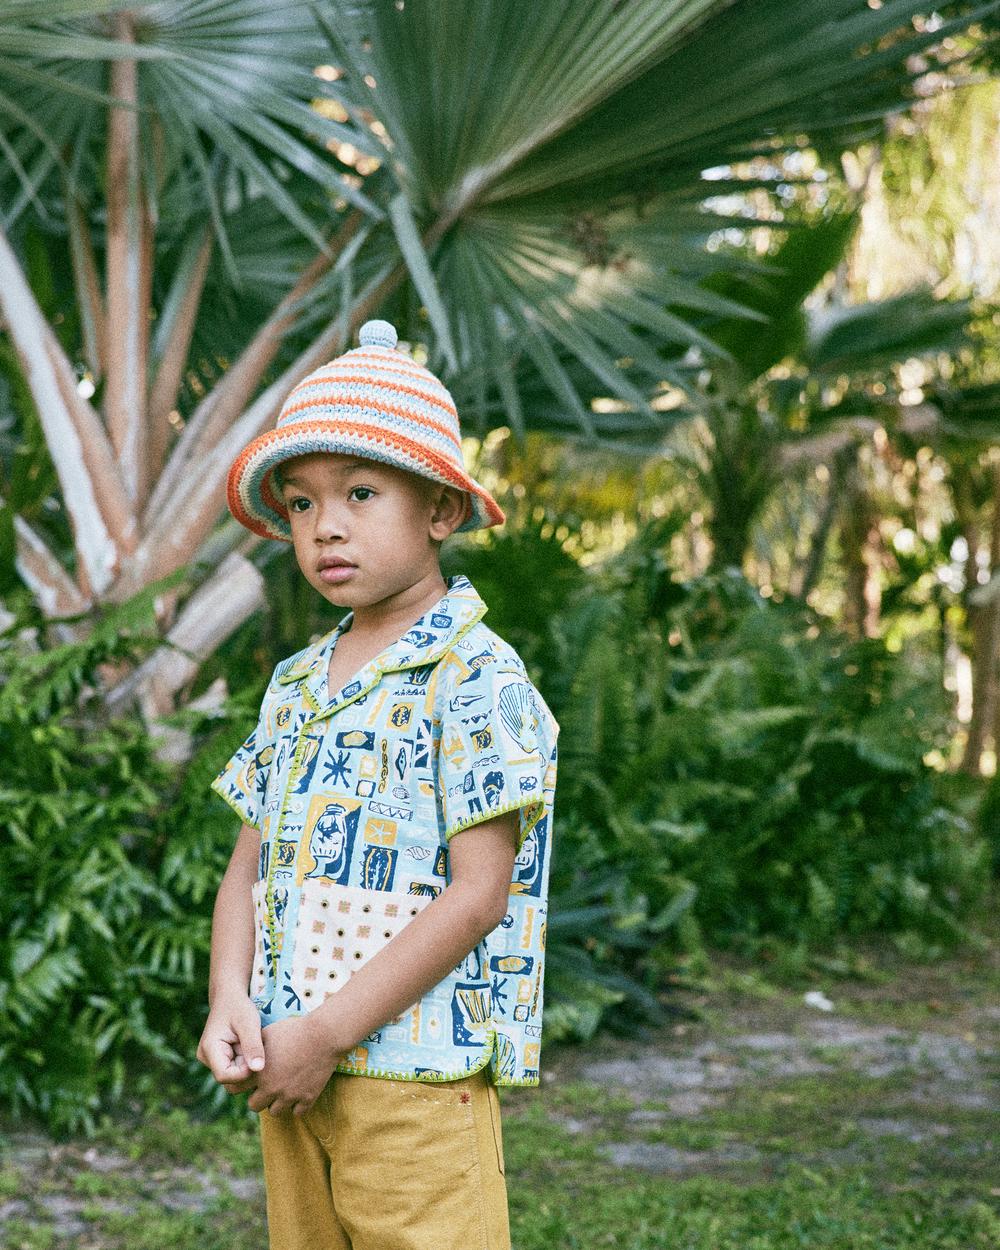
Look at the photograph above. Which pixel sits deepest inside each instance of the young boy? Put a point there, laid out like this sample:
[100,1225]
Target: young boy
[378,938]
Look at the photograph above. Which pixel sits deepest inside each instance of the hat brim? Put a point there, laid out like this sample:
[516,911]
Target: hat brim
[255,503]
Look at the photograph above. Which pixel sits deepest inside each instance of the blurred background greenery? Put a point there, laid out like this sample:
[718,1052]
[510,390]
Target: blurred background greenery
[725,345]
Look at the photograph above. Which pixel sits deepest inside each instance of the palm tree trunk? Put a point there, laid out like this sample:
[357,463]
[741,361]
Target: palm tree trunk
[182,310]
[195,506]
[985,624]
[234,390]
[42,572]
[738,480]
[103,521]
[207,619]
[810,570]
[128,277]
[89,299]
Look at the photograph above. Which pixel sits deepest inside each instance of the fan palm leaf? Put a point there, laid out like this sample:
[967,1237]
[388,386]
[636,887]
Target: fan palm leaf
[557,159]
[536,192]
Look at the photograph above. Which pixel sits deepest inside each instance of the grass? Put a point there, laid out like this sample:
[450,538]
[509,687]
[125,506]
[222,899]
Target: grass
[818,1180]
[836,1158]
[803,1210]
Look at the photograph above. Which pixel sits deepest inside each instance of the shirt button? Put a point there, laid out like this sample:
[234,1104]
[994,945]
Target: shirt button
[296,805]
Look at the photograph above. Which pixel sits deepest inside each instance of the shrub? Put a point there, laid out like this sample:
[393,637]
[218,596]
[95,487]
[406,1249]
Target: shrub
[732,771]
[105,910]
[735,771]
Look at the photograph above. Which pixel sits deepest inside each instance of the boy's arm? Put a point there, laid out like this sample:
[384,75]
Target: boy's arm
[432,944]
[233,935]
[231,1038]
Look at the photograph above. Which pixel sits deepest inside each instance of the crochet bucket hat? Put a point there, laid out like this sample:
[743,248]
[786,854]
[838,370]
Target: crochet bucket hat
[374,401]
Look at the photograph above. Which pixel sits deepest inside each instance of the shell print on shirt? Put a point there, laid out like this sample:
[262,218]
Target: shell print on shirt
[357,793]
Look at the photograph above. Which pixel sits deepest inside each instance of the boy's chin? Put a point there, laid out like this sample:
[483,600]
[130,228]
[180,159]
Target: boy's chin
[339,596]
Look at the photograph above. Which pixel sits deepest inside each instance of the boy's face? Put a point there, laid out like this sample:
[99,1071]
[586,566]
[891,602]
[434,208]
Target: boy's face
[380,520]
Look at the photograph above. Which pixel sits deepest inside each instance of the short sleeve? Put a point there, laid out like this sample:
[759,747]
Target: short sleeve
[496,750]
[243,780]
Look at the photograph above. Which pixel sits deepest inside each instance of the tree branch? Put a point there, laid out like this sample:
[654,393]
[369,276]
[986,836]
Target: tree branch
[128,311]
[163,397]
[88,290]
[103,522]
[218,607]
[235,388]
[191,511]
[54,590]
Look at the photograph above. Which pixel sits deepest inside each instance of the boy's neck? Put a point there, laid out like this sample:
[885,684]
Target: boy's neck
[391,617]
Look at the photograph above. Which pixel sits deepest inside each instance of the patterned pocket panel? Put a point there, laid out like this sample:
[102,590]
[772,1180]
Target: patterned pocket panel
[339,928]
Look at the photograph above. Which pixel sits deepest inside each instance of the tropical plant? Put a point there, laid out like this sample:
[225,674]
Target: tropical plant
[732,772]
[111,858]
[80,904]
[933,184]
[809,387]
[201,202]
[755,777]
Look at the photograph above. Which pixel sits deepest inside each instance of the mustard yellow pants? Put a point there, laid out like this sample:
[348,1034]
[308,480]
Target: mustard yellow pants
[388,1165]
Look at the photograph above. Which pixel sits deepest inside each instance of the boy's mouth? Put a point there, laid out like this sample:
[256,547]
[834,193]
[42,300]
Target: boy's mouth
[333,569]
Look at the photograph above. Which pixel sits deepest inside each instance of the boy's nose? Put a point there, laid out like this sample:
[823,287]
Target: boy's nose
[330,522]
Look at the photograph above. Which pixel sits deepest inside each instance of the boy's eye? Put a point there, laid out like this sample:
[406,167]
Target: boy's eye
[293,503]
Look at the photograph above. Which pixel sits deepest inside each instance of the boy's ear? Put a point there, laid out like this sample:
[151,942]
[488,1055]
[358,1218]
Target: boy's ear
[449,509]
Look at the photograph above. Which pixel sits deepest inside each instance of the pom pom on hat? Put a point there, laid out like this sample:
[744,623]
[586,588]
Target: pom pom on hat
[375,402]
[378,334]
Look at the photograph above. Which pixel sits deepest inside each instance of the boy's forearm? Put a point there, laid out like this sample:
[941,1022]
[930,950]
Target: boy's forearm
[233,934]
[419,957]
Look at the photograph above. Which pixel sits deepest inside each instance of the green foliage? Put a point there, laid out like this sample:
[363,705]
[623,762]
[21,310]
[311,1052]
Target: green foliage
[105,910]
[531,557]
[734,768]
[75,845]
[732,771]
[39,680]
[988,821]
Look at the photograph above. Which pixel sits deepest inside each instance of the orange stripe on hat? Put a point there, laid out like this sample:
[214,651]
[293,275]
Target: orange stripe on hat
[420,451]
[380,384]
[359,401]
[264,442]
[392,362]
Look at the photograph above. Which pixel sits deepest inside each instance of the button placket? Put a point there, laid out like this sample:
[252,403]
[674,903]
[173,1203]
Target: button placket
[294,774]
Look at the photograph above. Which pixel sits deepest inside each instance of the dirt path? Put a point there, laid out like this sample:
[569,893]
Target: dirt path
[759,1076]
[896,1071]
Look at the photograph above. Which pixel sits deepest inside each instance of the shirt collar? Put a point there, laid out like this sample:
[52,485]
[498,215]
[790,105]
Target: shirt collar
[424,642]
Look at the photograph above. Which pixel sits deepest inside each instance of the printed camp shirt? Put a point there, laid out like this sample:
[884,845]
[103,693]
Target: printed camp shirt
[356,795]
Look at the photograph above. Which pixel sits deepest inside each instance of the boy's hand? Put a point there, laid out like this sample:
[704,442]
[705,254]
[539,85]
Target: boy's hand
[300,1059]
[231,1044]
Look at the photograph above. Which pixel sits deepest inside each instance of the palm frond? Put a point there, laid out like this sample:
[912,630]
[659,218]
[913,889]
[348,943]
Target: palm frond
[566,156]
[235,78]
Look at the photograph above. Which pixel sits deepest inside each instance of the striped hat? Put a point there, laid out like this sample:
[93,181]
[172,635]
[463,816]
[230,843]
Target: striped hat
[375,402]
